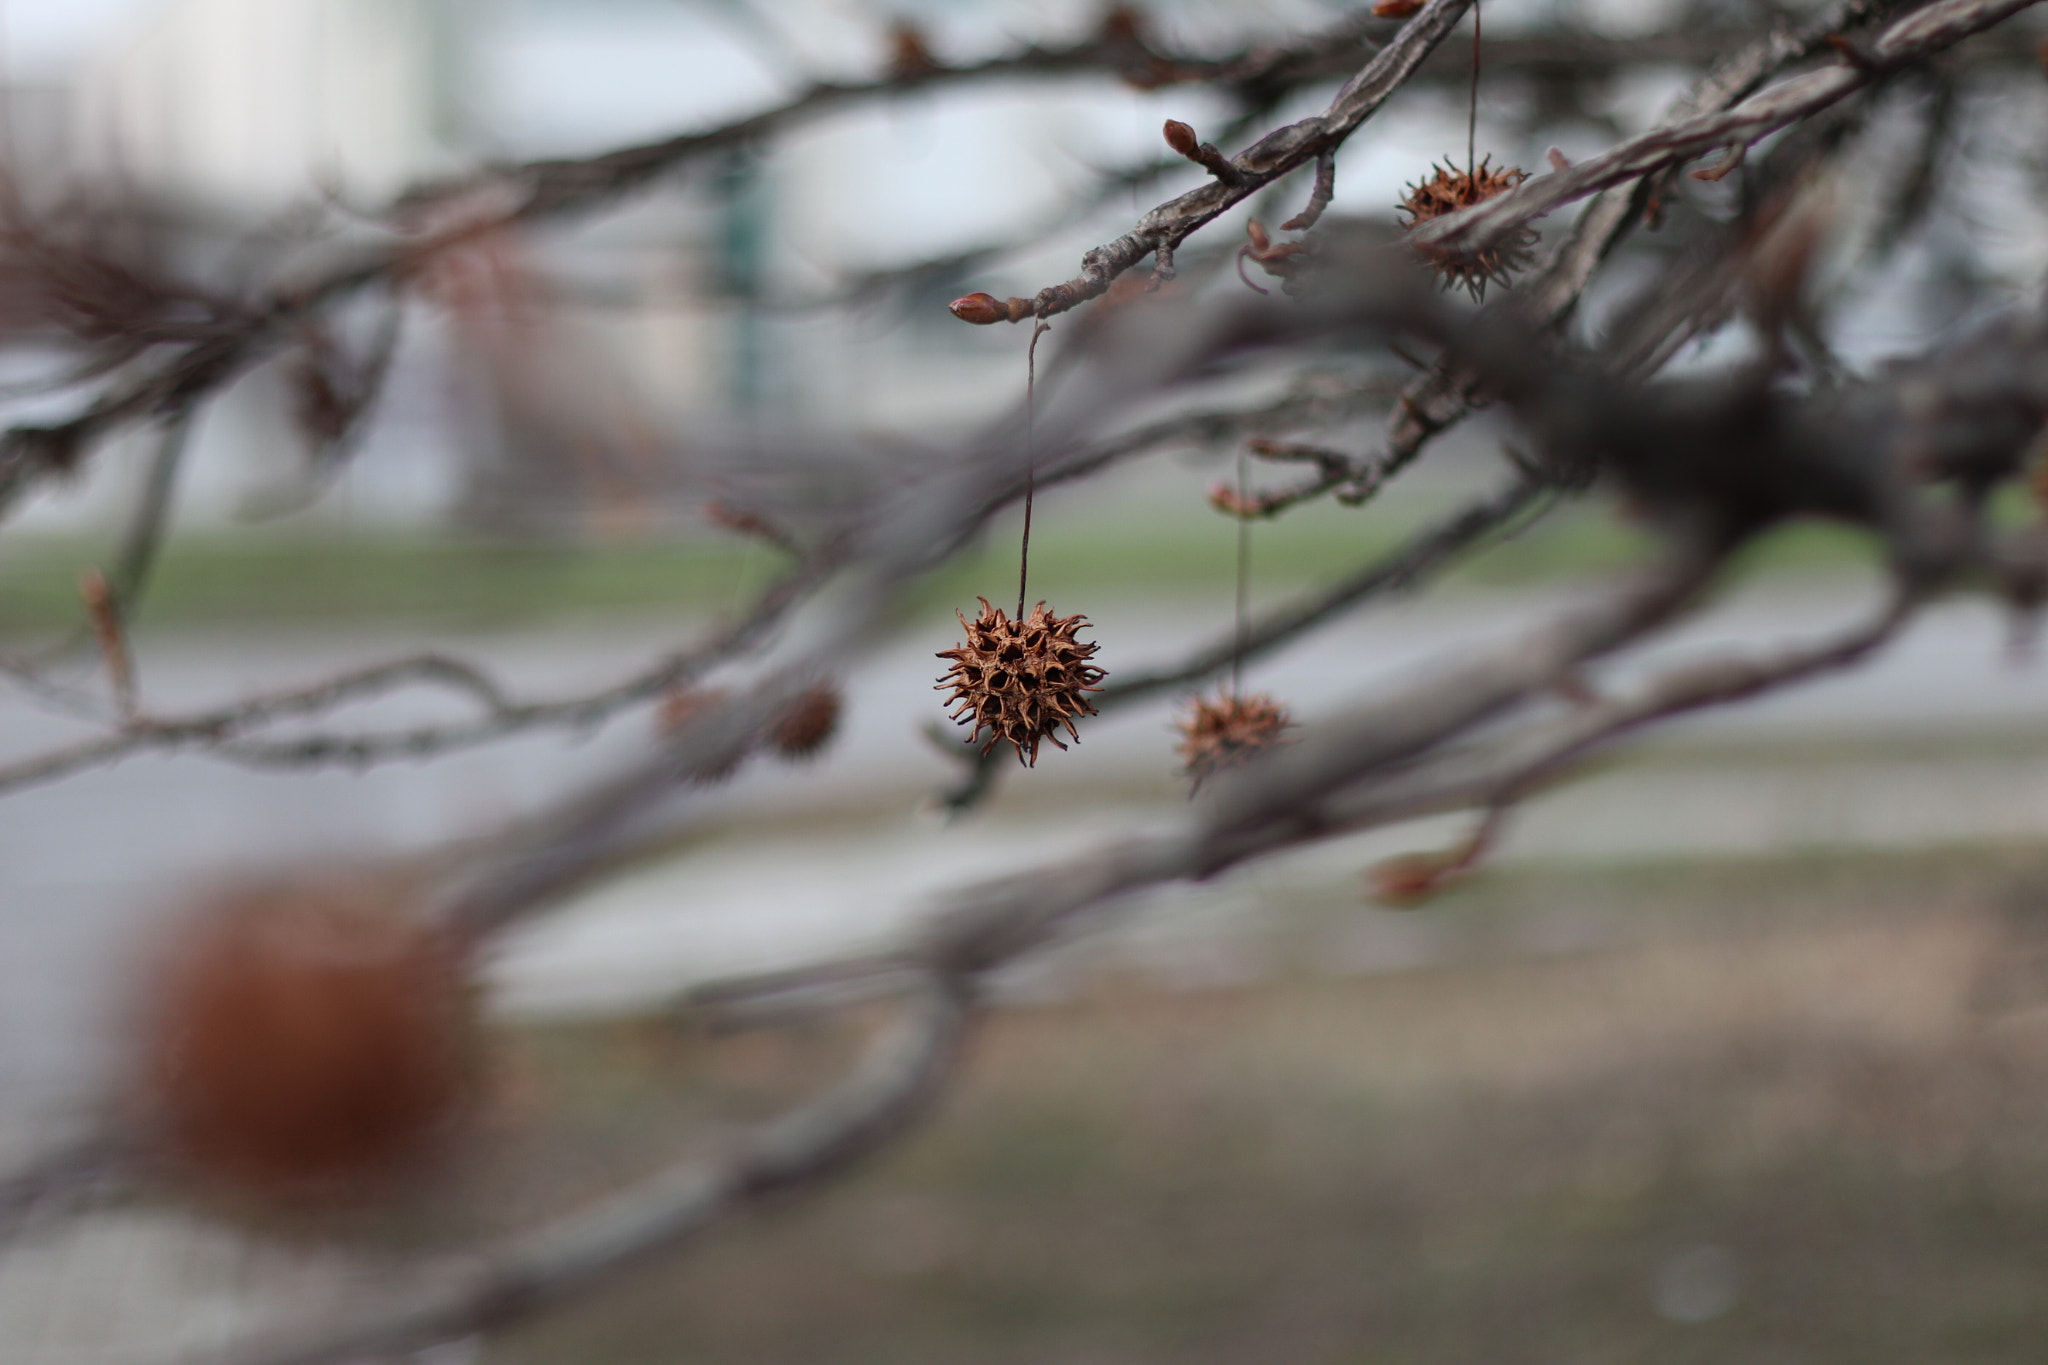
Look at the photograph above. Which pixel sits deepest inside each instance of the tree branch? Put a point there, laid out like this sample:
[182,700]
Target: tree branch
[1920,34]
[1267,160]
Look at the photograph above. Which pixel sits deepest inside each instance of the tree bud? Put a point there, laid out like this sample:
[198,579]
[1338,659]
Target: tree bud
[980,309]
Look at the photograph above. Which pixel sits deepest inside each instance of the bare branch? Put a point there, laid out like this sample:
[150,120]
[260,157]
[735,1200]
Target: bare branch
[1438,399]
[1920,34]
[1271,157]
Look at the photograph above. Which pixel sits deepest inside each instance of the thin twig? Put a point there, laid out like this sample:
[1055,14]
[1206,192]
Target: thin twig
[1271,157]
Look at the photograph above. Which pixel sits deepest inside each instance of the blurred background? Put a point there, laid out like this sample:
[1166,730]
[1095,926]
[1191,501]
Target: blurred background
[1736,1050]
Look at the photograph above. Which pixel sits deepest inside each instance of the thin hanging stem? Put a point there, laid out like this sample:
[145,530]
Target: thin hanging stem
[1244,580]
[1472,112]
[1030,457]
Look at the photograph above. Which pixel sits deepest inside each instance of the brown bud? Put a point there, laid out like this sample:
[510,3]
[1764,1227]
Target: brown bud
[1123,24]
[748,523]
[909,57]
[322,410]
[979,309]
[983,309]
[1395,9]
[1182,138]
[1408,879]
[1224,499]
[92,587]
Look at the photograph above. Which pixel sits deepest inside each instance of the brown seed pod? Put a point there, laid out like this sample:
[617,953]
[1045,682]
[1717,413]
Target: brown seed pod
[806,724]
[1228,731]
[1021,680]
[1447,191]
[306,1040]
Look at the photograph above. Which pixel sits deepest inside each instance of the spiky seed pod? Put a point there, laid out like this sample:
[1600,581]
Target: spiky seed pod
[806,724]
[1228,731]
[1448,190]
[1021,680]
[306,1040]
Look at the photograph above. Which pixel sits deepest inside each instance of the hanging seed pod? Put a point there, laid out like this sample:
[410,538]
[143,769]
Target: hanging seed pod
[306,1041]
[1230,730]
[806,725]
[1021,680]
[1447,191]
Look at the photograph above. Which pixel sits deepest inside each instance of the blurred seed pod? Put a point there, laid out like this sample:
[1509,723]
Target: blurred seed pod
[306,1041]
[1228,731]
[807,724]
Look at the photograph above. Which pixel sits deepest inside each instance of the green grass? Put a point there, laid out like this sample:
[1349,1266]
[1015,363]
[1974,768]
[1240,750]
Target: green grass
[263,578]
